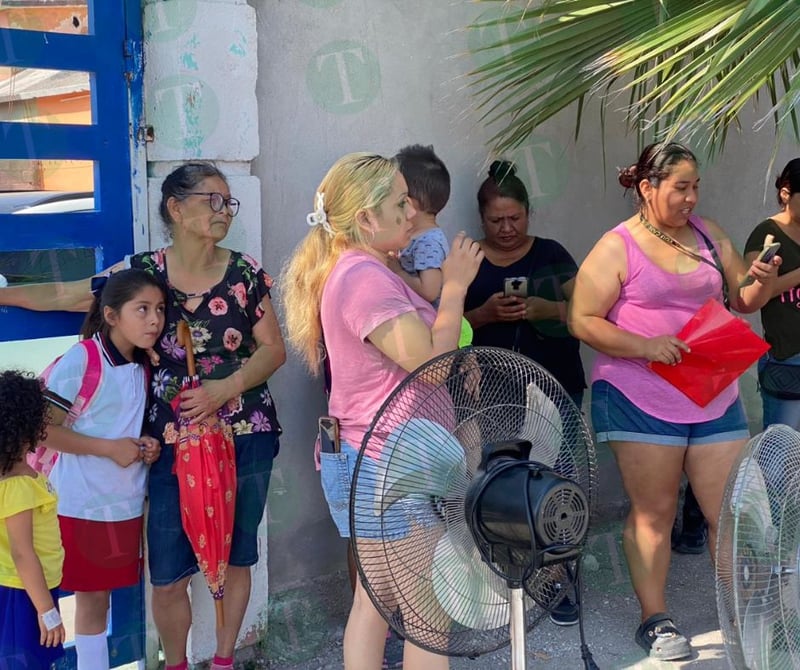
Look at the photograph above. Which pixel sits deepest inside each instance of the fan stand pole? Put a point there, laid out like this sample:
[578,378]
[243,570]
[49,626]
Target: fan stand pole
[516,599]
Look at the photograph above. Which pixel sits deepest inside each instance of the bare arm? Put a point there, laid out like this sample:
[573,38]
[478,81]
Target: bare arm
[597,288]
[497,308]
[753,297]
[73,296]
[269,355]
[29,568]
[123,451]
[427,283]
[782,282]
[430,281]
[406,339]
[70,296]
[542,309]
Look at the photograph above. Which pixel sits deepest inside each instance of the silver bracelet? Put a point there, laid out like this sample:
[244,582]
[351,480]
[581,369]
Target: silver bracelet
[51,619]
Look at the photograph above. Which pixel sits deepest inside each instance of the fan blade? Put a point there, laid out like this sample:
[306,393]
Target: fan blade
[542,426]
[467,590]
[420,458]
[749,496]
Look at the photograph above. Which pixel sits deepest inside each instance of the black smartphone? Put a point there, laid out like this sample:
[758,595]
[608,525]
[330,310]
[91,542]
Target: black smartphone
[517,286]
[329,434]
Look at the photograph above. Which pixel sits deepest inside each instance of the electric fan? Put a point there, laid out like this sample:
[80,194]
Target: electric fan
[758,554]
[471,501]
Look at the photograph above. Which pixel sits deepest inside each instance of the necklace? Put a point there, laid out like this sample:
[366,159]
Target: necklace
[661,235]
[716,264]
[184,296]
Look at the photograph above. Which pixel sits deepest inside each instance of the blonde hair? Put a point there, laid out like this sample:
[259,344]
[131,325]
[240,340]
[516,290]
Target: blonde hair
[356,182]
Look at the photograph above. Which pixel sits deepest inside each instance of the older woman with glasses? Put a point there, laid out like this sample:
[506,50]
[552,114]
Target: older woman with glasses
[224,295]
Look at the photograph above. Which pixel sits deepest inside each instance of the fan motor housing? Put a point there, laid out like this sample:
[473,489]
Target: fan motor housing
[522,511]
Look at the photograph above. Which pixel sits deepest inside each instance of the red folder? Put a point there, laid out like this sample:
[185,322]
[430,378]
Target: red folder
[722,347]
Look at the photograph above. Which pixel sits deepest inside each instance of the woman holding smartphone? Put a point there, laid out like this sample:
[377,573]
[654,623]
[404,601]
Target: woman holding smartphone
[376,330]
[779,369]
[519,298]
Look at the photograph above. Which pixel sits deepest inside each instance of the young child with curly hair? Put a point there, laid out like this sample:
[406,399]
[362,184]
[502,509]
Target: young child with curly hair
[31,555]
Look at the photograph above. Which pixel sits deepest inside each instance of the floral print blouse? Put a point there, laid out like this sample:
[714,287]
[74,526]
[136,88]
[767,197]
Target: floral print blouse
[221,328]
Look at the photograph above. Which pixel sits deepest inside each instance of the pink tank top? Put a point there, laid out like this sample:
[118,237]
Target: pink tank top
[655,302]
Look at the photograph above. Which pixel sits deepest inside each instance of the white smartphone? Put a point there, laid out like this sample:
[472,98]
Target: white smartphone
[765,256]
[517,286]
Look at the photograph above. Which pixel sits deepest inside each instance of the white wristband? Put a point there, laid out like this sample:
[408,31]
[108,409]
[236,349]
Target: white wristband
[51,619]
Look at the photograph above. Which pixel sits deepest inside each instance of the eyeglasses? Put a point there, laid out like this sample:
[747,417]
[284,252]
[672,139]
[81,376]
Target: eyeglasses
[217,202]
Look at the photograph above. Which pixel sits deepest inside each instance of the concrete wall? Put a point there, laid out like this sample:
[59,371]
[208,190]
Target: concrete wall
[337,76]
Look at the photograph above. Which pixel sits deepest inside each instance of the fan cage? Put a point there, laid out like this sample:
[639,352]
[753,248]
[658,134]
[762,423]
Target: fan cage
[413,547]
[757,554]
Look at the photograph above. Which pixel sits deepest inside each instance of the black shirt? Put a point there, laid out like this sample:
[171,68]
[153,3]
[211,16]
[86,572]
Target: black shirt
[547,266]
[780,317]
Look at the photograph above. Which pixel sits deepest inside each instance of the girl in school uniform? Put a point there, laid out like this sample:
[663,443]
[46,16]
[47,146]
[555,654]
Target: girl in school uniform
[100,475]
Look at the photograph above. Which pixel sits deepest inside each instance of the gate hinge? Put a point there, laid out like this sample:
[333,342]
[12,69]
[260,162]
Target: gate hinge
[134,59]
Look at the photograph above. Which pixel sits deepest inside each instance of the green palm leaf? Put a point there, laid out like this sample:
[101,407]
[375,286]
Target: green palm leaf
[685,67]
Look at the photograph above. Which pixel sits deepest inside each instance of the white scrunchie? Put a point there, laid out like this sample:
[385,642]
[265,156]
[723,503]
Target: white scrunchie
[318,216]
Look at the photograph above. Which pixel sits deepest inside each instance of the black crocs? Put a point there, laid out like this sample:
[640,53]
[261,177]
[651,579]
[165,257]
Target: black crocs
[661,640]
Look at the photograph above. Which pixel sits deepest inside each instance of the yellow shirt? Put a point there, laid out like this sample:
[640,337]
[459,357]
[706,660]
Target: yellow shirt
[20,493]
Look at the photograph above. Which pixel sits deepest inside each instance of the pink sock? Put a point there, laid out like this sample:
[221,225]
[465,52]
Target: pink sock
[222,663]
[183,665]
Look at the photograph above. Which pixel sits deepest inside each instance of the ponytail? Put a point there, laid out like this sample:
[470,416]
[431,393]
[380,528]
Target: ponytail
[354,183]
[95,321]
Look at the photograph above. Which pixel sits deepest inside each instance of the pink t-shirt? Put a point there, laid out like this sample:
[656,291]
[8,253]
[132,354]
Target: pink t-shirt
[361,294]
[655,302]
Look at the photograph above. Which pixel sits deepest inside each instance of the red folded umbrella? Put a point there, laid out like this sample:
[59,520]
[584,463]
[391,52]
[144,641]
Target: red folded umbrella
[205,464]
[722,345]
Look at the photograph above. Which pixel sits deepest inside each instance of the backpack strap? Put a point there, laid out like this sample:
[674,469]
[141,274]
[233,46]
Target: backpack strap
[92,376]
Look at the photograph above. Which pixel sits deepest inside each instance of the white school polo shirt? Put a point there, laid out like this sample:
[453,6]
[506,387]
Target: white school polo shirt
[93,487]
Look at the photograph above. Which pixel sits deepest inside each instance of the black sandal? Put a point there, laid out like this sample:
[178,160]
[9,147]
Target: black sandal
[661,640]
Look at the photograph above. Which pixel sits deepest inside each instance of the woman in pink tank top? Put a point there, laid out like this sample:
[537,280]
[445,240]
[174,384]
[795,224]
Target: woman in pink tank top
[637,287]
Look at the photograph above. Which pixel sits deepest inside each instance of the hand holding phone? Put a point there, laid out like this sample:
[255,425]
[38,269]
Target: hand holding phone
[329,435]
[765,256]
[515,286]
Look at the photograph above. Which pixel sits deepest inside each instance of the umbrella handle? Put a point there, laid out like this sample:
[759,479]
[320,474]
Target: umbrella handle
[184,337]
[219,612]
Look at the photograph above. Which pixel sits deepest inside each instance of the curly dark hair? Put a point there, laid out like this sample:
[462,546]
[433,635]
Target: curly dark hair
[24,411]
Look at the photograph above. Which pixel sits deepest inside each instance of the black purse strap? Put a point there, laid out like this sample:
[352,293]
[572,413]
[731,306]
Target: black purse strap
[712,248]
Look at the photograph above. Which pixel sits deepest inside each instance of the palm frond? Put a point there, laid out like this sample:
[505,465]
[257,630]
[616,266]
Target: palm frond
[686,67]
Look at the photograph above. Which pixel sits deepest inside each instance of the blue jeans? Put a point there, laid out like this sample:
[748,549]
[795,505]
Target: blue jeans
[775,409]
[393,523]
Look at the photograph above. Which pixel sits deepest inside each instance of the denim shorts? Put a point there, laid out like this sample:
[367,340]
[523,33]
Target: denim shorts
[393,523]
[617,419]
[169,553]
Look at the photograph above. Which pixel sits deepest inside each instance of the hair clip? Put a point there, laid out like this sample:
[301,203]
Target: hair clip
[318,217]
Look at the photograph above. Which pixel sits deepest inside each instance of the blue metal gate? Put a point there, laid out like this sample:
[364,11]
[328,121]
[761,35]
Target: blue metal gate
[72,245]
[111,54]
